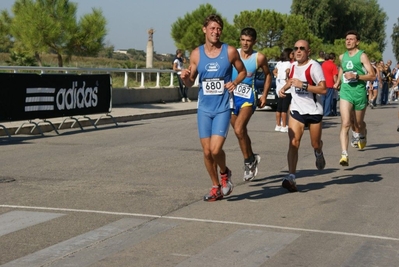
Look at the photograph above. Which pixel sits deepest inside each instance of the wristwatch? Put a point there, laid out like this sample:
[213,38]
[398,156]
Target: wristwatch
[305,86]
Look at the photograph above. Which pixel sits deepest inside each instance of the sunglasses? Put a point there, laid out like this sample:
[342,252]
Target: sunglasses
[302,48]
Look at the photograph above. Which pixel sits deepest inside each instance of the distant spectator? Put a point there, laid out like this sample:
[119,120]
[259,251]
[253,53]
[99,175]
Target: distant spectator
[178,66]
[292,57]
[281,72]
[320,59]
[330,71]
[393,91]
[373,86]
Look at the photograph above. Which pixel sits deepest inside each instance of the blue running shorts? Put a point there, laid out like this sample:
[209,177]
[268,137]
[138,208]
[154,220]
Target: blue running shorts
[213,124]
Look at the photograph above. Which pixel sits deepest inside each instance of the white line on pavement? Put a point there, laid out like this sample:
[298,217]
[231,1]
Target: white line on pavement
[205,220]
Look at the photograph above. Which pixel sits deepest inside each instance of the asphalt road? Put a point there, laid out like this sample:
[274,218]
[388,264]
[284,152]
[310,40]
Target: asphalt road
[132,196]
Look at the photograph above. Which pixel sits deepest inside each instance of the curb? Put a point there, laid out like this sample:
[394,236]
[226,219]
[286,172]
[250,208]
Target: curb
[40,127]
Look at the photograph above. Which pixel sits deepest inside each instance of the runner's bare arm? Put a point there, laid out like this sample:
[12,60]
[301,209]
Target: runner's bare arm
[189,75]
[264,65]
[370,75]
[239,65]
[337,84]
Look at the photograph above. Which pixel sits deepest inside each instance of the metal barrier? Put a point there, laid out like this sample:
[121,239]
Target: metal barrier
[32,97]
[76,70]
[142,72]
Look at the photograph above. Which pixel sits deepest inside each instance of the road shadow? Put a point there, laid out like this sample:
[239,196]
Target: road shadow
[266,191]
[341,180]
[330,124]
[379,161]
[380,146]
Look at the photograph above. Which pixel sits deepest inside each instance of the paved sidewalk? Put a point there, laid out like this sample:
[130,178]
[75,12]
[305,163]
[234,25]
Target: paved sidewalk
[118,114]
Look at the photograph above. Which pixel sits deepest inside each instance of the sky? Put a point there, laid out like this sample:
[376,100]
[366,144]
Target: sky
[130,20]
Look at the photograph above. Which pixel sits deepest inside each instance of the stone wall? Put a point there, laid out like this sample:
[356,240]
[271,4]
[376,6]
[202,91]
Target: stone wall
[124,96]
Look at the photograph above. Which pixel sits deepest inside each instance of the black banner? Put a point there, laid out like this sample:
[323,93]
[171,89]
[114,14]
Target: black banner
[34,96]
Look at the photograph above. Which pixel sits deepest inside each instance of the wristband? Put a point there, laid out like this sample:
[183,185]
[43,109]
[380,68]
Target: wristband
[357,76]
[305,86]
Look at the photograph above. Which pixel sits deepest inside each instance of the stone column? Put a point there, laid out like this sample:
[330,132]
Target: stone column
[150,49]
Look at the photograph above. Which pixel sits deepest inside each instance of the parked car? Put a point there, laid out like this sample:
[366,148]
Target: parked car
[271,99]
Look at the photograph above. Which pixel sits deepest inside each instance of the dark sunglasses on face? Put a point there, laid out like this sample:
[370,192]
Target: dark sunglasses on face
[302,48]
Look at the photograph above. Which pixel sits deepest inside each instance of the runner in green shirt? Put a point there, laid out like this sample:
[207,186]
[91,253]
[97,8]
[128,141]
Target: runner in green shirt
[355,71]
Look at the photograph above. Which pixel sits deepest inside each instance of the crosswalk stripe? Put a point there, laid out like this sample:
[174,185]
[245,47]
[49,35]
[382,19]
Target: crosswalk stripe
[374,253]
[250,248]
[93,246]
[16,220]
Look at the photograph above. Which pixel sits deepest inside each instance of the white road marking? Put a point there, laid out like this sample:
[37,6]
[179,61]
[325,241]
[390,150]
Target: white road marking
[16,220]
[74,246]
[207,221]
[246,247]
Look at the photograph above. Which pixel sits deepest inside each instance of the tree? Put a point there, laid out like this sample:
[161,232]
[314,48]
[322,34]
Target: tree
[20,59]
[276,31]
[5,36]
[298,28]
[370,49]
[269,26]
[88,37]
[331,19]
[50,26]
[395,40]
[187,31]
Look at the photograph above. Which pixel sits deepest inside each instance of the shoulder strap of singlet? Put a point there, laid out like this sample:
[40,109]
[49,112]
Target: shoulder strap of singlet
[292,72]
[307,74]
[308,77]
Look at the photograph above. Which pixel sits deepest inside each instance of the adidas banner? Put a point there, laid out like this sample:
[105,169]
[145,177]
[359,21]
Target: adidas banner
[34,96]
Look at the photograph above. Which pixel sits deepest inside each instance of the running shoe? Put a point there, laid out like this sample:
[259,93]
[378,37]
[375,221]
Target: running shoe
[362,142]
[251,169]
[354,142]
[344,160]
[284,129]
[371,104]
[214,194]
[227,185]
[320,161]
[277,128]
[289,183]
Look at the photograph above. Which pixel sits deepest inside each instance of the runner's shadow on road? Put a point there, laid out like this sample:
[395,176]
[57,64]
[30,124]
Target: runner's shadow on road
[380,146]
[379,161]
[300,174]
[276,190]
[330,124]
[341,180]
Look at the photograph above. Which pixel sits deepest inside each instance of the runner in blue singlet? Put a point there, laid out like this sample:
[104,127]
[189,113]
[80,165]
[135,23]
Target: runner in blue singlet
[245,99]
[213,62]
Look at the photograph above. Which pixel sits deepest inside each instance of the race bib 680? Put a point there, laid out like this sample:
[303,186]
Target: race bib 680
[213,86]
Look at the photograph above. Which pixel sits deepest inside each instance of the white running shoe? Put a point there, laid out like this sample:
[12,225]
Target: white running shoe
[251,169]
[278,128]
[354,141]
[284,129]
